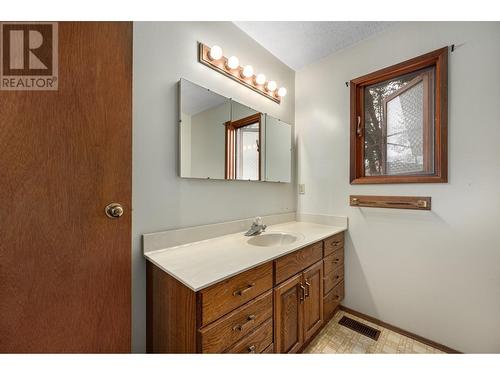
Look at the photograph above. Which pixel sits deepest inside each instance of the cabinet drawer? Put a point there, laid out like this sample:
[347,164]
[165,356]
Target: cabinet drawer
[333,261]
[333,243]
[269,349]
[332,300]
[221,298]
[331,279]
[227,330]
[256,341]
[293,263]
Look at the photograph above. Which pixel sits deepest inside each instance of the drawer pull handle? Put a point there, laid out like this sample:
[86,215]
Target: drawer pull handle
[251,349]
[303,292]
[335,243]
[244,290]
[239,327]
[308,286]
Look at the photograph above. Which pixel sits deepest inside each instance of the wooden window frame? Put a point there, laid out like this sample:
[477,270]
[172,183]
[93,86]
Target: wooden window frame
[230,155]
[437,59]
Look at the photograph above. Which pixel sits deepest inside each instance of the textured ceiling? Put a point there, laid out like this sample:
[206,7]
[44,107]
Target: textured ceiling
[299,43]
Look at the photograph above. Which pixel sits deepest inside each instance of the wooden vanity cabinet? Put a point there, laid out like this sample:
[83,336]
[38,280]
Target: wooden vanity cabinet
[288,315]
[313,302]
[298,309]
[333,274]
[278,306]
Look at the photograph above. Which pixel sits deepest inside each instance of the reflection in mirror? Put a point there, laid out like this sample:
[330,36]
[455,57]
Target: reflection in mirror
[203,116]
[243,144]
[278,150]
[223,139]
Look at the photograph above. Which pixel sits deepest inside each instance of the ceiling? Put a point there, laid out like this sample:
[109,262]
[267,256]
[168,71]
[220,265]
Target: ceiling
[299,43]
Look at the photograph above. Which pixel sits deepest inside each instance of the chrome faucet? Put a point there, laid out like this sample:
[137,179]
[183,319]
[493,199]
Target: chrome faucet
[256,228]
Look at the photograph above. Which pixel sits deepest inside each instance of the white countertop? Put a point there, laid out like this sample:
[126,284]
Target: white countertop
[201,264]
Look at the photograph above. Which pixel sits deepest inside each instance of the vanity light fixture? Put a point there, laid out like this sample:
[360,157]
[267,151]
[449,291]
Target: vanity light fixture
[215,53]
[230,67]
[271,86]
[260,79]
[233,62]
[281,92]
[247,71]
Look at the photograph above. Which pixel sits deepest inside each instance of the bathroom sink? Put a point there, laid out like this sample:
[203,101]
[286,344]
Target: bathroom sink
[273,239]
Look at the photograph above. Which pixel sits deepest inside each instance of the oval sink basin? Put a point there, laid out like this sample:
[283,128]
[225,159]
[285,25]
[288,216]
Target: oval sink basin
[272,239]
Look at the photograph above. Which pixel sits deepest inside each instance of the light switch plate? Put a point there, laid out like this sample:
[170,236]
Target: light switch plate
[302,188]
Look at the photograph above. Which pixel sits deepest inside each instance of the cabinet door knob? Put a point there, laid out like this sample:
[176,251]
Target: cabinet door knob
[114,210]
[251,349]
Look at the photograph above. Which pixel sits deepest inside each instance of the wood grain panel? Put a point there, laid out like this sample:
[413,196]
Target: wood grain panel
[230,328]
[269,349]
[333,261]
[229,294]
[65,267]
[171,311]
[332,300]
[384,201]
[333,243]
[297,261]
[333,278]
[313,303]
[288,315]
[256,341]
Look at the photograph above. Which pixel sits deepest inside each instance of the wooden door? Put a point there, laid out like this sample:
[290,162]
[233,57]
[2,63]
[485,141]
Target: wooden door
[66,154]
[288,315]
[313,302]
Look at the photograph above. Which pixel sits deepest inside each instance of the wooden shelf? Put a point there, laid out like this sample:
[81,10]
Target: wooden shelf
[401,202]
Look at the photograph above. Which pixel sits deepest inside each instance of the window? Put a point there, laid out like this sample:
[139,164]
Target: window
[243,148]
[399,122]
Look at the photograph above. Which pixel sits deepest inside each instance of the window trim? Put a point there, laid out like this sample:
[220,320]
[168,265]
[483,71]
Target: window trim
[438,59]
[230,154]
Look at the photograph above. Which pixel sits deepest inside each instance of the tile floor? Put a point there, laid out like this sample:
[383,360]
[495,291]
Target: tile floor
[335,338]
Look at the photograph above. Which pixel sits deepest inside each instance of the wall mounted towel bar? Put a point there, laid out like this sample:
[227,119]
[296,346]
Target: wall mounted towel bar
[405,202]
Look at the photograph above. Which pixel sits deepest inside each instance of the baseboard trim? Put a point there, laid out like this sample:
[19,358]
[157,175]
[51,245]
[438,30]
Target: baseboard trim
[403,332]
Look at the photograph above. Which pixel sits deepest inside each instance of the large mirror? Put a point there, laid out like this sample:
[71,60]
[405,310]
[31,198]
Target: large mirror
[203,115]
[223,139]
[278,150]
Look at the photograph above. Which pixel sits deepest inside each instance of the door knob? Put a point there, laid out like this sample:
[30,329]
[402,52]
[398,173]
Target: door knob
[114,210]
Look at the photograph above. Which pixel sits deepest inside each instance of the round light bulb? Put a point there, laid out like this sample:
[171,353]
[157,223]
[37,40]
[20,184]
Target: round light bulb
[247,71]
[260,79]
[271,86]
[215,53]
[282,92]
[233,62]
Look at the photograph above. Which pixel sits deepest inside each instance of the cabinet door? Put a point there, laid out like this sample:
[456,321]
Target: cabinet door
[313,302]
[288,315]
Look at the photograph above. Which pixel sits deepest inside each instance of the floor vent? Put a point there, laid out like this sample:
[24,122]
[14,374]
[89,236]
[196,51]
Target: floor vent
[360,327]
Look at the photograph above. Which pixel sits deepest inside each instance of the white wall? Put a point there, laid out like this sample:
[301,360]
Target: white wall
[208,142]
[436,274]
[163,53]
